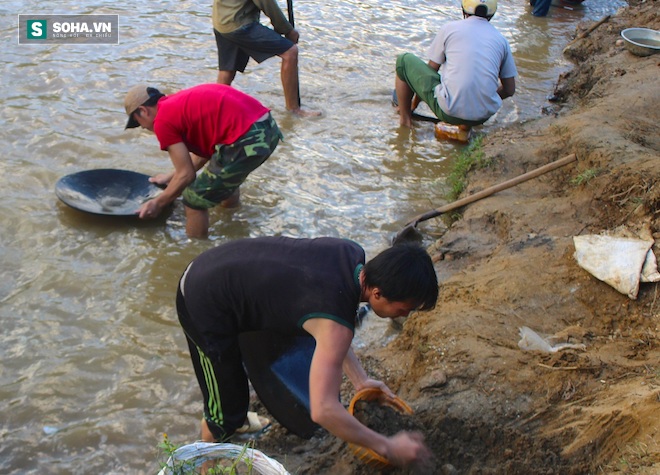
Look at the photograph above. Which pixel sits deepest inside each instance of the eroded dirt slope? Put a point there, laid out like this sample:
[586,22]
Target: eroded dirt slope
[488,407]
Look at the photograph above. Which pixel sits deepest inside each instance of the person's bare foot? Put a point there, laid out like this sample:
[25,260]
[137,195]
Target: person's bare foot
[206,434]
[403,121]
[300,112]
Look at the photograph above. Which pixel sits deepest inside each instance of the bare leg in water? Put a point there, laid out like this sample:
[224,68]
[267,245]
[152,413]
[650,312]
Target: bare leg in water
[290,82]
[197,220]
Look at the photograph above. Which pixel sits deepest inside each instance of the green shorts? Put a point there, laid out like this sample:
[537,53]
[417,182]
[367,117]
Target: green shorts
[231,164]
[423,81]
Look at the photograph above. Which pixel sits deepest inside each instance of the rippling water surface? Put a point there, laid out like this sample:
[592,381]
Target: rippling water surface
[94,366]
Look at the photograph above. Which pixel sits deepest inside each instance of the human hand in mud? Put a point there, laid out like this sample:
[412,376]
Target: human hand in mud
[408,449]
[374,383]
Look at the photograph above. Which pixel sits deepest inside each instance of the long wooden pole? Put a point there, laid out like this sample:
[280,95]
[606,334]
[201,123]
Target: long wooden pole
[494,189]
[410,232]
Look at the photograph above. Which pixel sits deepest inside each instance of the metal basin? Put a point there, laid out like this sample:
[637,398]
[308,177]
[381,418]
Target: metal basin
[106,191]
[641,41]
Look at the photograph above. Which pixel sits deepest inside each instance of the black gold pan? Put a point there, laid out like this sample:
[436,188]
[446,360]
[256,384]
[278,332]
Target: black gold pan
[106,191]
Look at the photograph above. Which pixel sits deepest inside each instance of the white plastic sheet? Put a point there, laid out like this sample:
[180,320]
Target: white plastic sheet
[532,341]
[619,260]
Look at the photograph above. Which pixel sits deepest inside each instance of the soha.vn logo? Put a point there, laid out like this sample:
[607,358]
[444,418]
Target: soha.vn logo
[37,29]
[79,29]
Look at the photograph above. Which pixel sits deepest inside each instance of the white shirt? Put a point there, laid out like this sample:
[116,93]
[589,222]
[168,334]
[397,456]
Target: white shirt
[472,56]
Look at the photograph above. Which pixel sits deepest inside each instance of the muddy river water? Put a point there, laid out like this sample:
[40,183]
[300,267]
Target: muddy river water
[94,367]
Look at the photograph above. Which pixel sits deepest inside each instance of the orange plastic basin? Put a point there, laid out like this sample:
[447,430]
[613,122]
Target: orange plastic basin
[366,455]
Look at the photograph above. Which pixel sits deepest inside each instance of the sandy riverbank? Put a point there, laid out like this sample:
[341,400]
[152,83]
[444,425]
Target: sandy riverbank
[508,262]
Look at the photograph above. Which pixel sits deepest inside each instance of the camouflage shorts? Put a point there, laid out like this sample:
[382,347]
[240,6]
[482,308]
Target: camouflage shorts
[231,164]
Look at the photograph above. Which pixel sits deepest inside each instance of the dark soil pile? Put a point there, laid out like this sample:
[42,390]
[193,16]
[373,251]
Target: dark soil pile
[384,419]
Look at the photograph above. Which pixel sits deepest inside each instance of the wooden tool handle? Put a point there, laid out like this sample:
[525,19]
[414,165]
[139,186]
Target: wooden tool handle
[494,189]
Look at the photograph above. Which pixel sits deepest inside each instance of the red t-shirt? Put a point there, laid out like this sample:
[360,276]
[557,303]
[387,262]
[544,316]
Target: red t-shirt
[204,116]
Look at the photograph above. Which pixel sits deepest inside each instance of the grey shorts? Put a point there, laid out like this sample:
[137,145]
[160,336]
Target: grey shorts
[250,41]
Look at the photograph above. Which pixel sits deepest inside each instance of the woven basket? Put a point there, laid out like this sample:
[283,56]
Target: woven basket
[368,456]
[199,452]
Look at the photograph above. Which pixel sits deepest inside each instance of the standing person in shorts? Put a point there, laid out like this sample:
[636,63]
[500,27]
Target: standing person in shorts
[240,36]
[469,72]
[210,124]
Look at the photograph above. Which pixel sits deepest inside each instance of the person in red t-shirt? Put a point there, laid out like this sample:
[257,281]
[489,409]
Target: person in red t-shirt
[211,123]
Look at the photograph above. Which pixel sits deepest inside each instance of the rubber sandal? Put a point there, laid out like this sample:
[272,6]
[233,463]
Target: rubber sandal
[255,424]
